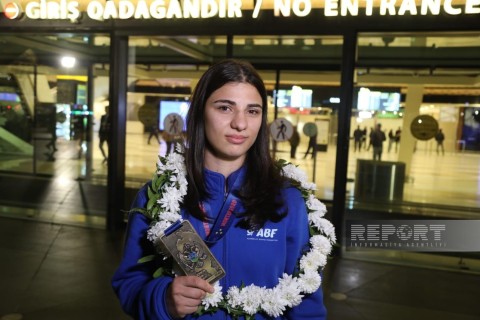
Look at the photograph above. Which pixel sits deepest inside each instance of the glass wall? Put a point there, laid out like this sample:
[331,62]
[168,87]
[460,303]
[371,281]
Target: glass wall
[423,99]
[53,91]
[156,89]
[161,75]
[304,88]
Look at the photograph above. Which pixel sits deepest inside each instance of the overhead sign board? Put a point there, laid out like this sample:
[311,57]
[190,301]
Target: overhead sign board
[229,9]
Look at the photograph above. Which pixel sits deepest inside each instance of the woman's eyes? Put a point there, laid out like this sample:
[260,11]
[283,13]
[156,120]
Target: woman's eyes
[251,111]
[254,111]
[224,108]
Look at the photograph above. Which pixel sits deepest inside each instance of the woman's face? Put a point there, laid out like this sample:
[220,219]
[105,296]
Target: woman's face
[233,116]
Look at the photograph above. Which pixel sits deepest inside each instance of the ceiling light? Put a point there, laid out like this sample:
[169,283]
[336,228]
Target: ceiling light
[68,62]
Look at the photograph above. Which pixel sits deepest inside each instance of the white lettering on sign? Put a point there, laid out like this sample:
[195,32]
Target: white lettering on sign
[408,6]
[160,10]
[387,6]
[349,7]
[65,10]
[301,8]
[204,9]
[472,7]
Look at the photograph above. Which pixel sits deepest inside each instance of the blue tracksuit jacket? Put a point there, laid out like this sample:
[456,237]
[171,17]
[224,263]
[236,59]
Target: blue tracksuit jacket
[259,257]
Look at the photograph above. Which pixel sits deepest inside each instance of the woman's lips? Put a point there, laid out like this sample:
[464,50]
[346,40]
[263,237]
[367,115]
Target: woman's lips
[236,139]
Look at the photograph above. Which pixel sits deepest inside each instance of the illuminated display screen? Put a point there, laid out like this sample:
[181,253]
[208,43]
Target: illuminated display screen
[377,100]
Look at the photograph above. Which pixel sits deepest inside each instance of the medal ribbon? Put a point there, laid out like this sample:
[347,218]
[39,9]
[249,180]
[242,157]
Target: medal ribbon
[224,219]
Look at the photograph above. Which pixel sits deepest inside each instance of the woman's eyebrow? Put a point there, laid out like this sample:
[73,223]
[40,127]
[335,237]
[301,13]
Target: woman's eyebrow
[225,101]
[233,103]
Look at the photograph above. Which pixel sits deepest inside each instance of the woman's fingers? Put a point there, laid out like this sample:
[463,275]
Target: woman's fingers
[185,294]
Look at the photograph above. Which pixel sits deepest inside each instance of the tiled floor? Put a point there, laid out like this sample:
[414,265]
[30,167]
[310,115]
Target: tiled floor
[50,272]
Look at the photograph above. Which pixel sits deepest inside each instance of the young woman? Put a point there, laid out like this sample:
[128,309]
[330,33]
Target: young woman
[260,247]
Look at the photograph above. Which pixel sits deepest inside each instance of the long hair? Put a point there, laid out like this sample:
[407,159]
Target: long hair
[260,192]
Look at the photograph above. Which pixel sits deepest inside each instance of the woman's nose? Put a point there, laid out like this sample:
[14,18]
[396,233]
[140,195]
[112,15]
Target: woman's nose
[239,121]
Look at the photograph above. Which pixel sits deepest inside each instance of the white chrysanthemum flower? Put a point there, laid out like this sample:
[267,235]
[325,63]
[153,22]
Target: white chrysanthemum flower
[310,281]
[309,185]
[327,228]
[293,172]
[233,296]
[289,290]
[289,170]
[313,260]
[273,304]
[157,229]
[176,163]
[213,299]
[251,298]
[316,205]
[170,200]
[179,147]
[321,243]
[183,185]
[315,217]
[170,216]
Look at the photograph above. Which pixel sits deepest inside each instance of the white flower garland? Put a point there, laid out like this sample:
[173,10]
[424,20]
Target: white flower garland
[169,186]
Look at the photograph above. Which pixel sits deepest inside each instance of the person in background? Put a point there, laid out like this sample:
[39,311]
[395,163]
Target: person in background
[367,147]
[312,145]
[103,133]
[357,139]
[391,140]
[364,138]
[294,142]
[398,136]
[439,137]
[227,159]
[169,141]
[377,137]
[154,133]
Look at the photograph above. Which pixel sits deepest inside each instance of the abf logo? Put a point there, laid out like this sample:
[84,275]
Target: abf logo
[12,11]
[262,233]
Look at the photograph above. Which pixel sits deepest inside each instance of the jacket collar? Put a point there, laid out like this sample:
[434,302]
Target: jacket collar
[215,182]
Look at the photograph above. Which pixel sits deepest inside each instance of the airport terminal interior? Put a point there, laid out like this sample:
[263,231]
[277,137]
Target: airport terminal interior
[54,90]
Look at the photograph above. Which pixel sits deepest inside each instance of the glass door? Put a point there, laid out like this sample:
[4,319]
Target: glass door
[53,90]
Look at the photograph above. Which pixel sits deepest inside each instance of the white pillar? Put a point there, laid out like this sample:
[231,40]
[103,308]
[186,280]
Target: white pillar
[413,102]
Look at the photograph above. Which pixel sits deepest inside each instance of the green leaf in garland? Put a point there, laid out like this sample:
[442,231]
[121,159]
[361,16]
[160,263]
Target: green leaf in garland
[151,193]
[146,258]
[151,202]
[156,183]
[159,272]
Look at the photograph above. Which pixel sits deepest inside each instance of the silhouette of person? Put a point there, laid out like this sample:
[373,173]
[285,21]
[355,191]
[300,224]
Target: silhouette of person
[174,125]
[377,137]
[357,139]
[169,141]
[398,135]
[103,132]
[391,139]
[153,133]
[312,145]
[281,130]
[294,142]
[439,137]
[52,130]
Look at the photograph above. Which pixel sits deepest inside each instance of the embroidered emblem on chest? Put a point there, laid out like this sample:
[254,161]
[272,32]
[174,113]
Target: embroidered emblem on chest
[264,234]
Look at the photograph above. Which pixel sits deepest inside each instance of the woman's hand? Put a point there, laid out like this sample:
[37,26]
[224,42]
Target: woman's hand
[185,294]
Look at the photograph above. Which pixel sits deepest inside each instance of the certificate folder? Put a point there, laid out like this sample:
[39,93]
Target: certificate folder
[190,253]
